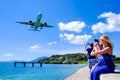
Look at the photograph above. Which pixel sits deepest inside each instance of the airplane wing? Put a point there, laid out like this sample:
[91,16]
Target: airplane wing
[27,23]
[49,26]
[45,25]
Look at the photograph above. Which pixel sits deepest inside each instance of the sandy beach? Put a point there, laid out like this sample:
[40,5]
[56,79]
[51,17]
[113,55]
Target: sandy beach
[81,74]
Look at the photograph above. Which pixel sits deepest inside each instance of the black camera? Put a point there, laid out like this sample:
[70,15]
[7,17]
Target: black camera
[96,40]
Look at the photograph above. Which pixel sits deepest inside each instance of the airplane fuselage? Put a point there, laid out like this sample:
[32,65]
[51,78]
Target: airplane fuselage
[37,23]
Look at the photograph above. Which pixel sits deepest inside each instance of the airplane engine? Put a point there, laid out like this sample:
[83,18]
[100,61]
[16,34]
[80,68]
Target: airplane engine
[30,21]
[45,24]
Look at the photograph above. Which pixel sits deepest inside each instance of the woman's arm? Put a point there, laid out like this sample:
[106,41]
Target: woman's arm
[105,50]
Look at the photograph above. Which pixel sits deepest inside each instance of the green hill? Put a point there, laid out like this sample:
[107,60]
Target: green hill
[71,58]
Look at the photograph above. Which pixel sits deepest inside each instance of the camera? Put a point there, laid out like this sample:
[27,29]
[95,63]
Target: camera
[96,40]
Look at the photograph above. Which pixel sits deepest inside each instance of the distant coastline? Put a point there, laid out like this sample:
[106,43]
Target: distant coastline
[72,58]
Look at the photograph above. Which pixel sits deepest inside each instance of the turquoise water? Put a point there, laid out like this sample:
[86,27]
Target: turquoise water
[117,68]
[46,72]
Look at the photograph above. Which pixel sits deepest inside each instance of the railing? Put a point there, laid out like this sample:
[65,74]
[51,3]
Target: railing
[24,63]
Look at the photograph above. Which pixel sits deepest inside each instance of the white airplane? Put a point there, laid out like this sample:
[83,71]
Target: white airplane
[37,24]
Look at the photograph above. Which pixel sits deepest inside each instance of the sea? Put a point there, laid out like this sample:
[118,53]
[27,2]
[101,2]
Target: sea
[47,72]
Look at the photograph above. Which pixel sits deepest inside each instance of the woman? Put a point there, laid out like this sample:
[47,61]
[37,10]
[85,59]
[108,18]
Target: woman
[105,63]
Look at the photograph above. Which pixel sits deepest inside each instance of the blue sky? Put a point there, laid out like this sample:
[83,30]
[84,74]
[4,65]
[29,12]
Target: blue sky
[76,23]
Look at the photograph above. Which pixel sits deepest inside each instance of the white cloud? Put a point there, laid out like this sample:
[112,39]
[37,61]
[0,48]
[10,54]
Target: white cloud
[112,23]
[75,26]
[77,40]
[68,50]
[50,43]
[35,47]
[8,54]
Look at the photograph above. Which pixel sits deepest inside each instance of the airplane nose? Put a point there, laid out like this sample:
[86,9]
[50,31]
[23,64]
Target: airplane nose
[39,13]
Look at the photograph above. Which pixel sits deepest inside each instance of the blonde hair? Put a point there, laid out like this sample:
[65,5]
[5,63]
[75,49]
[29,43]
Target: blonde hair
[107,40]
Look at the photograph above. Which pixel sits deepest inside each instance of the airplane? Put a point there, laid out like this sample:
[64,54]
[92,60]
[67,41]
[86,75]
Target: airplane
[37,24]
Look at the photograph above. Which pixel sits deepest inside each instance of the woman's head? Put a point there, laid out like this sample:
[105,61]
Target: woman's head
[106,41]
